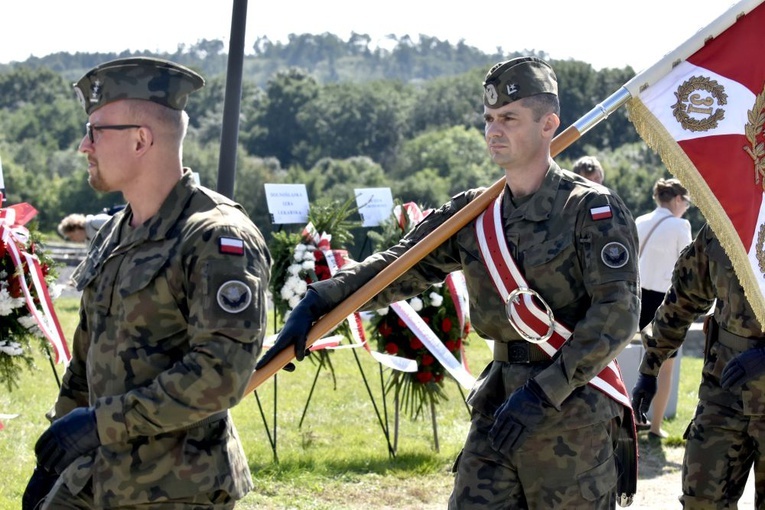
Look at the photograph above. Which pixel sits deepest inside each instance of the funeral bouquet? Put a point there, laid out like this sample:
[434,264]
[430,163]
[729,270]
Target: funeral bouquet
[311,256]
[27,288]
[395,333]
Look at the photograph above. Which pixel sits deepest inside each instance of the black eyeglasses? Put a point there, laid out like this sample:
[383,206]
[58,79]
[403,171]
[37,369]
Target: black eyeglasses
[89,128]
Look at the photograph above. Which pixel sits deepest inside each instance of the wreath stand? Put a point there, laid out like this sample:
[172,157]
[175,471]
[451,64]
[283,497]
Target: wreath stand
[433,419]
[272,436]
[381,419]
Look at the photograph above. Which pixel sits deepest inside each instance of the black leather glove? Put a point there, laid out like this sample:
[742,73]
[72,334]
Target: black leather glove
[743,368]
[642,395]
[517,417]
[39,485]
[295,330]
[66,439]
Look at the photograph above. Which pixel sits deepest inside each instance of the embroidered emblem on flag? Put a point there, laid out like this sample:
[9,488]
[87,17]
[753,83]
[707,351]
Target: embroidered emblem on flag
[231,246]
[601,213]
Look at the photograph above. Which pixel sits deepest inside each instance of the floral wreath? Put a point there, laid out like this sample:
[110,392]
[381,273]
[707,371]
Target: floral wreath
[443,308]
[306,257]
[27,288]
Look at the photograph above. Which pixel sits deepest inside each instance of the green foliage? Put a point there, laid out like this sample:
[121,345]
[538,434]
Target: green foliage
[318,110]
[457,154]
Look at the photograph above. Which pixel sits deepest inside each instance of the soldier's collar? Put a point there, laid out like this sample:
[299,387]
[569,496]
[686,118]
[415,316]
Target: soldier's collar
[539,205]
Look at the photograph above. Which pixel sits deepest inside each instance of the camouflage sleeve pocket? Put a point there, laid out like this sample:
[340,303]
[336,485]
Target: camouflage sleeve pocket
[609,259]
[232,295]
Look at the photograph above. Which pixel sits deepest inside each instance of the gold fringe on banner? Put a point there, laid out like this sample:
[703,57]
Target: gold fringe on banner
[678,163]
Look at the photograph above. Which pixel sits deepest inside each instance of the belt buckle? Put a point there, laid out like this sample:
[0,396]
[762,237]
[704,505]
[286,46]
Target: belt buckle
[513,299]
[518,352]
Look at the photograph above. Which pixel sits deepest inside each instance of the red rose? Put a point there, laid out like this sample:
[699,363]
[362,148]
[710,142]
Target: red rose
[322,272]
[401,323]
[423,377]
[446,325]
[384,329]
[391,348]
[427,360]
[439,378]
[451,345]
[415,343]
[14,287]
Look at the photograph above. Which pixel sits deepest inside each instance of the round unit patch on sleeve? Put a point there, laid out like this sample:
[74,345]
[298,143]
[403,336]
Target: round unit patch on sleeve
[615,255]
[234,296]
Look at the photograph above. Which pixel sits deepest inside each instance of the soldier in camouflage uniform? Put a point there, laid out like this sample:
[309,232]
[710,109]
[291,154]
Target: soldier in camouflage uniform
[541,437]
[725,437]
[172,317]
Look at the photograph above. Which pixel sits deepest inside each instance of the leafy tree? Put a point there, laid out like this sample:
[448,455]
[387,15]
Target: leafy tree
[457,154]
[448,101]
[425,187]
[287,94]
[27,85]
[371,116]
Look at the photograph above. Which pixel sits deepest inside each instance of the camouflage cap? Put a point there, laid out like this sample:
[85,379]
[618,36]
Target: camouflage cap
[152,79]
[517,78]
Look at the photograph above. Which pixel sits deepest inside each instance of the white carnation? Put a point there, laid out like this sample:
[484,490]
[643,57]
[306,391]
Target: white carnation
[6,302]
[11,348]
[294,269]
[293,302]
[308,255]
[382,311]
[30,323]
[299,252]
[300,288]
[286,293]
[416,304]
[436,299]
[309,265]
[54,290]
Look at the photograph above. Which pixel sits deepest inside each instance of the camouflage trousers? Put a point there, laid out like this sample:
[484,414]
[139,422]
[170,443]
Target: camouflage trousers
[61,498]
[722,446]
[571,469]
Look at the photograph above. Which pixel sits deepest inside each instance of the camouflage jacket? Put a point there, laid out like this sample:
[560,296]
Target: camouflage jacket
[703,277]
[172,321]
[565,255]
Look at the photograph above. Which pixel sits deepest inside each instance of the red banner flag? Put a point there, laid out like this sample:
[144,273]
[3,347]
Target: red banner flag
[705,118]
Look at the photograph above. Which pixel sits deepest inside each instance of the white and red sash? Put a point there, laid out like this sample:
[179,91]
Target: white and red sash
[528,315]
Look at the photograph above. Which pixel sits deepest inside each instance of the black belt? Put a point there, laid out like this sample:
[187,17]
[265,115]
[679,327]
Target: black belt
[519,352]
[738,343]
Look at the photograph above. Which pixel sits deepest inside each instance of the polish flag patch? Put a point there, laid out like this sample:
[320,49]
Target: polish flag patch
[231,245]
[601,213]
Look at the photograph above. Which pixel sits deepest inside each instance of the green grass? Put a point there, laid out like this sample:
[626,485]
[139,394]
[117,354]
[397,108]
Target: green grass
[337,459]
[687,396]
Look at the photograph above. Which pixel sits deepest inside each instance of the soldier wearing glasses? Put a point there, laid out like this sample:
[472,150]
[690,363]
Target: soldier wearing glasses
[541,436]
[172,315]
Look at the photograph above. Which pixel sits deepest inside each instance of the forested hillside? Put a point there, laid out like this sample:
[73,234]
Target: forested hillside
[332,114]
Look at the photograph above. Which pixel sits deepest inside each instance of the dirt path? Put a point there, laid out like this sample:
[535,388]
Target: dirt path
[659,479]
